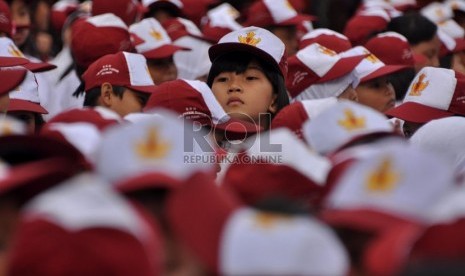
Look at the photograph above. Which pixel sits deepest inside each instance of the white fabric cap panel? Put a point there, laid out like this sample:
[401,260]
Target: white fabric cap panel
[259,38]
[341,123]
[85,201]
[282,145]
[152,32]
[390,179]
[28,90]
[9,49]
[195,63]
[107,20]
[224,16]
[433,87]
[138,71]
[280,10]
[257,243]
[323,31]
[318,58]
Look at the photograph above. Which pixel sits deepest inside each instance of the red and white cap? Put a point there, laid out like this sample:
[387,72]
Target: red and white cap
[194,100]
[104,234]
[371,67]
[317,64]
[328,38]
[26,96]
[230,240]
[179,27]
[387,182]
[264,13]
[60,11]
[342,123]
[193,64]
[155,42]
[128,10]
[221,20]
[82,128]
[294,115]
[434,93]
[9,49]
[124,69]
[6,25]
[431,137]
[156,147]
[437,12]
[11,77]
[87,44]
[271,168]
[362,25]
[254,40]
[398,52]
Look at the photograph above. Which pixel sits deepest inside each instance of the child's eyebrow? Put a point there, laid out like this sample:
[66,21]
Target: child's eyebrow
[256,67]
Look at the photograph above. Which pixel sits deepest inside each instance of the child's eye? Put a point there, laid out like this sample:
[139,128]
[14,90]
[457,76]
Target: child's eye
[252,78]
[221,79]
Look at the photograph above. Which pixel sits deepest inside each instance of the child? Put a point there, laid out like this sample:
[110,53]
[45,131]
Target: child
[247,75]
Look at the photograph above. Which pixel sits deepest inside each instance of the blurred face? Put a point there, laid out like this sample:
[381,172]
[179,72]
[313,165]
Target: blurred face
[21,17]
[247,95]
[377,93]
[429,49]
[349,94]
[288,36]
[130,102]
[162,70]
[27,118]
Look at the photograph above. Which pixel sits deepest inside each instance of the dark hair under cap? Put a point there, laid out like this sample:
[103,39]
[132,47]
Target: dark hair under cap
[414,26]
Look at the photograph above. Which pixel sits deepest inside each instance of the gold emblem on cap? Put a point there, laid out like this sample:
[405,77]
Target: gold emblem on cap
[418,86]
[371,58]
[326,51]
[267,220]
[384,178]
[155,34]
[351,122]
[249,39]
[152,147]
[15,51]
[439,13]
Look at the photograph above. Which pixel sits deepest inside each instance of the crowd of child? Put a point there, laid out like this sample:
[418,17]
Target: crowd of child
[182,137]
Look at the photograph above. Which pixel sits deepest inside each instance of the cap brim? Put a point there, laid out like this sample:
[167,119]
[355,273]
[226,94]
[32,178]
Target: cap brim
[342,67]
[218,50]
[149,89]
[361,219]
[11,79]
[23,105]
[164,51]
[383,71]
[34,177]
[238,129]
[417,113]
[37,67]
[147,181]
[12,61]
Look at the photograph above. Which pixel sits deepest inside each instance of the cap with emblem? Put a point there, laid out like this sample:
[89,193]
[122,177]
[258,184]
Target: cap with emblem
[9,49]
[26,96]
[342,123]
[434,93]
[328,38]
[123,68]
[256,41]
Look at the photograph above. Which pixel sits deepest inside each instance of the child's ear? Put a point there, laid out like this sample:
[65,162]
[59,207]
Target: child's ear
[273,108]
[106,94]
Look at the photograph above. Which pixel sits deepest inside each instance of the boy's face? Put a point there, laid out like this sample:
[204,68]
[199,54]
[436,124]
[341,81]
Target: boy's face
[162,70]
[378,94]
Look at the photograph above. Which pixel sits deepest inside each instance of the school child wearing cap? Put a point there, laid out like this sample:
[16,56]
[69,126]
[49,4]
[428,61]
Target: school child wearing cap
[248,75]
[153,42]
[120,82]
[421,33]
